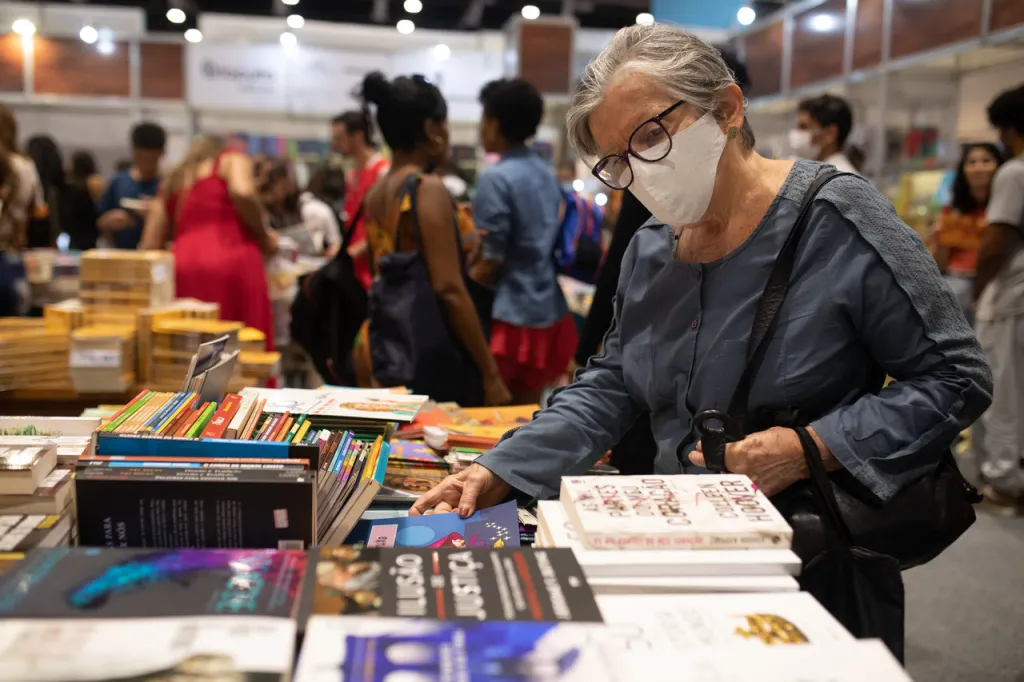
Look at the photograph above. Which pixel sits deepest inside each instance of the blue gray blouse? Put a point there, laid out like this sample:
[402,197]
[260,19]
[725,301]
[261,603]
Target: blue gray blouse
[517,205]
[866,300]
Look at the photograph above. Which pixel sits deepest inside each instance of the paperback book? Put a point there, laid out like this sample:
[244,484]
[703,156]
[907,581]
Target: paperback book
[24,467]
[20,533]
[377,649]
[459,584]
[374,405]
[673,512]
[556,529]
[496,526]
[240,649]
[53,496]
[142,583]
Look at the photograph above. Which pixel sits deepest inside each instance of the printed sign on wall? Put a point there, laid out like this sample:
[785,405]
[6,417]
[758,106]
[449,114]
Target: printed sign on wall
[327,81]
[236,77]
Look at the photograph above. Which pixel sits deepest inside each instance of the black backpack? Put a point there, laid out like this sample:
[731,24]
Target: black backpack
[327,313]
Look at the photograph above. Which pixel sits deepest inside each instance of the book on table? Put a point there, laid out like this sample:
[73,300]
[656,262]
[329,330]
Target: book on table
[237,648]
[517,584]
[24,467]
[496,526]
[372,649]
[23,532]
[672,512]
[53,496]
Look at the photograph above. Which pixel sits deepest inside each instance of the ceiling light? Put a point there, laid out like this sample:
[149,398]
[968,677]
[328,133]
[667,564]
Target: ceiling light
[645,18]
[442,51]
[288,39]
[24,28]
[106,47]
[601,199]
[194,35]
[530,12]
[405,27]
[290,3]
[746,16]
[176,15]
[823,23]
[295,21]
[413,6]
[578,185]
[89,35]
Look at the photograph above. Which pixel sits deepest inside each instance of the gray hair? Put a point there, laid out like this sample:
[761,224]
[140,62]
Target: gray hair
[688,68]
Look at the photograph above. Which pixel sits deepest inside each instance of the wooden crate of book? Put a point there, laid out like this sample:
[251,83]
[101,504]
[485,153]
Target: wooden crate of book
[182,308]
[121,281]
[102,358]
[173,342]
[68,314]
[260,366]
[32,355]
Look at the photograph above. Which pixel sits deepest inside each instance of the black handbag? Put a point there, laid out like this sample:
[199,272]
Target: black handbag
[914,527]
[861,588]
[411,340]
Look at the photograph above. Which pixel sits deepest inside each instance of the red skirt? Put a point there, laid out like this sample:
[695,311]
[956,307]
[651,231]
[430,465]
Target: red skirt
[533,358]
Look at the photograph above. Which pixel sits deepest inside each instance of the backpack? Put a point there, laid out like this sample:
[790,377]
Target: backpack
[579,252]
[327,313]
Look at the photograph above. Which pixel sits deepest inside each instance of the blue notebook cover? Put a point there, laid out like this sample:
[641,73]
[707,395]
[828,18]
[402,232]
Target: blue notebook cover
[494,527]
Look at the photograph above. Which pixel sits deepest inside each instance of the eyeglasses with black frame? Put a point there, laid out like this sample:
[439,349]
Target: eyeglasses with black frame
[650,142]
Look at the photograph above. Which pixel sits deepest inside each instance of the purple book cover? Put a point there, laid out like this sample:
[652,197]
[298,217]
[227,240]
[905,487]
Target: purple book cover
[494,527]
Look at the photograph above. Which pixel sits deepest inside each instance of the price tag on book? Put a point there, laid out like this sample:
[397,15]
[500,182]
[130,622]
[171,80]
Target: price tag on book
[95,358]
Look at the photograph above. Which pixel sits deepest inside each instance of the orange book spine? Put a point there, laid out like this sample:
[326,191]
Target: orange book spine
[191,420]
[172,430]
[285,428]
[219,423]
[276,429]
[168,423]
[254,419]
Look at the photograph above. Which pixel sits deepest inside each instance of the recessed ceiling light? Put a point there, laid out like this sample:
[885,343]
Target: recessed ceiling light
[23,27]
[645,18]
[746,16]
[106,47]
[578,185]
[413,6]
[405,26]
[290,3]
[601,199]
[194,35]
[823,23]
[442,51]
[288,39]
[530,12]
[89,35]
[295,21]
[176,15]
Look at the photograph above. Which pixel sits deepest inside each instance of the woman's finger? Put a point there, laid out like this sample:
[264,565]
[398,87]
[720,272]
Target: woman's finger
[442,508]
[697,458]
[435,495]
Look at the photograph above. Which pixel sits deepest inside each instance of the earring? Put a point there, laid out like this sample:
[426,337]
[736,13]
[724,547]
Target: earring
[732,132]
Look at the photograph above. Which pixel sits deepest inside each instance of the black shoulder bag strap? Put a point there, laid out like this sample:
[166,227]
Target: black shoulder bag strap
[764,322]
[346,235]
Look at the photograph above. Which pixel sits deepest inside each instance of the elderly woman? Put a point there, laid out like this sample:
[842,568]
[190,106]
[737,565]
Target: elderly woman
[661,111]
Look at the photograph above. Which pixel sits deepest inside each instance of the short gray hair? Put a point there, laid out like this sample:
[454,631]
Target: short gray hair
[688,68]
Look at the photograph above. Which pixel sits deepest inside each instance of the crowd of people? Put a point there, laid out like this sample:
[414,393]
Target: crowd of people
[464,297]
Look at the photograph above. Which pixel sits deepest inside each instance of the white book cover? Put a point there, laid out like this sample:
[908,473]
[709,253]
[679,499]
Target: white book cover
[48,426]
[368,649]
[375,404]
[673,512]
[200,648]
[559,531]
[653,622]
[694,584]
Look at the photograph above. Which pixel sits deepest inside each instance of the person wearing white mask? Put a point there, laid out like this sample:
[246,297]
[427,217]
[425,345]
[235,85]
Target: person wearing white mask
[823,125]
[661,114]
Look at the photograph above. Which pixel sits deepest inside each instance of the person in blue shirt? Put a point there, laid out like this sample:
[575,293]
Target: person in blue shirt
[517,208]
[122,223]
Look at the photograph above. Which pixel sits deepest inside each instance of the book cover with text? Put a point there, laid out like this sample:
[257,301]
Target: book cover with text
[496,526]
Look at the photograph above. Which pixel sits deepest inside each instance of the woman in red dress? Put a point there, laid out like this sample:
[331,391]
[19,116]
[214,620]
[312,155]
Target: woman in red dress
[209,209]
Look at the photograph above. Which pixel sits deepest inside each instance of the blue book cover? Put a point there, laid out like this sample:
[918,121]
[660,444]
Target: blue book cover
[164,412]
[113,445]
[494,527]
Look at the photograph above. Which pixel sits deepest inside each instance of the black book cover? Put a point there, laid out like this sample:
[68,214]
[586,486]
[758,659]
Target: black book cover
[195,508]
[511,584]
[133,583]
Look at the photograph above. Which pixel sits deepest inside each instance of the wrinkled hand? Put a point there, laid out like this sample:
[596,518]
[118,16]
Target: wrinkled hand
[472,488]
[773,459]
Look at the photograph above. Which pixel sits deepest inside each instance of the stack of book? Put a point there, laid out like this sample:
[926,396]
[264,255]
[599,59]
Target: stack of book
[175,341]
[102,358]
[36,498]
[67,314]
[119,282]
[182,308]
[33,355]
[259,367]
[413,469]
[662,534]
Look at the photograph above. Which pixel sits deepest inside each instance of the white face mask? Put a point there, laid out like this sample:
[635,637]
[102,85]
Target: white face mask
[802,144]
[677,190]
